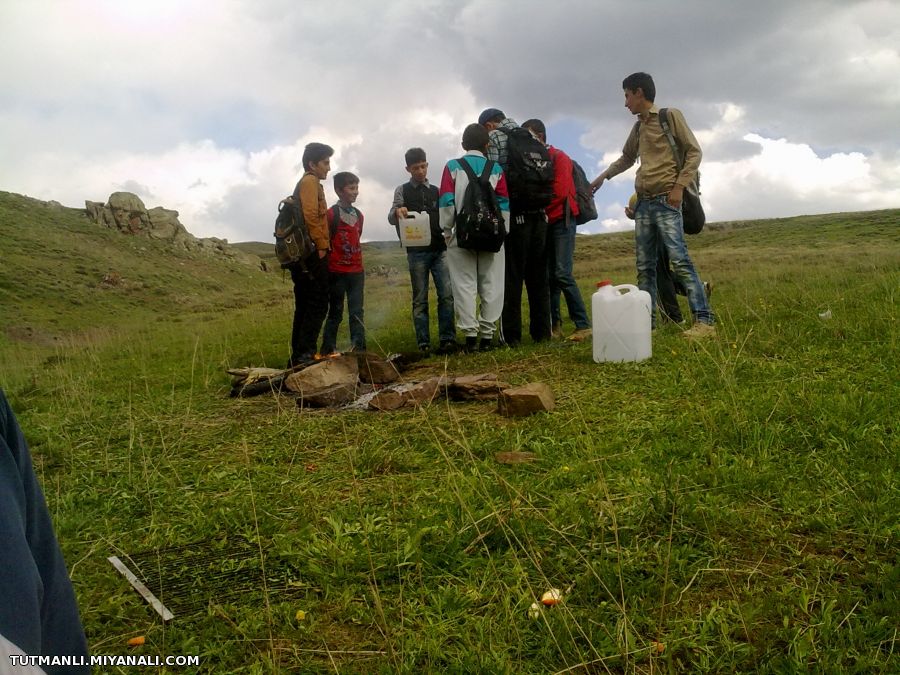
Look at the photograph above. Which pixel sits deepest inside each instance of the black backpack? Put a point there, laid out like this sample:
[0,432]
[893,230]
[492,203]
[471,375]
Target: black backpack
[693,218]
[293,245]
[584,196]
[334,222]
[529,171]
[479,223]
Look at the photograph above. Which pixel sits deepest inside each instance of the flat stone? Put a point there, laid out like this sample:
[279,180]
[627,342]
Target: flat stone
[388,400]
[406,394]
[374,369]
[425,392]
[483,387]
[322,375]
[330,397]
[464,380]
[526,400]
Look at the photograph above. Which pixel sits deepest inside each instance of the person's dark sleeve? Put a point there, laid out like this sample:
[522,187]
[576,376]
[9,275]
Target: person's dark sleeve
[37,604]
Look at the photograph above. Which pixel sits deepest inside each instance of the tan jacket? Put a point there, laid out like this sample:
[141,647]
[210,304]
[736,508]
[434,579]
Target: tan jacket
[315,210]
[658,172]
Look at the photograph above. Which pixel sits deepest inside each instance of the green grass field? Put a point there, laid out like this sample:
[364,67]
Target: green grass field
[731,506]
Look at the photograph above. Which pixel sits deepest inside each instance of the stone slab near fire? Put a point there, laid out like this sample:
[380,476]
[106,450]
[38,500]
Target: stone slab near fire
[367,381]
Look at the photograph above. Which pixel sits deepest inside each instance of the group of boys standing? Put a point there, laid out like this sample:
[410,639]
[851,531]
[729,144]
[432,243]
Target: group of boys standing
[482,288]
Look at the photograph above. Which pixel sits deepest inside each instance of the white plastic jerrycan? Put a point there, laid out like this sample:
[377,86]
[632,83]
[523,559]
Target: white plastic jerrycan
[415,229]
[621,316]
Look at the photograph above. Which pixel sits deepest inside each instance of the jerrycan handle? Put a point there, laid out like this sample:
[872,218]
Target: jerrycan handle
[627,288]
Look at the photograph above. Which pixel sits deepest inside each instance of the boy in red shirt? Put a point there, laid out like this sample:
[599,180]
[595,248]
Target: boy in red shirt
[561,212]
[345,267]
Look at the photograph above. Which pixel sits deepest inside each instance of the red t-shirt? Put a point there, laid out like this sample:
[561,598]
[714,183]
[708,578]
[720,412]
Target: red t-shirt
[346,251]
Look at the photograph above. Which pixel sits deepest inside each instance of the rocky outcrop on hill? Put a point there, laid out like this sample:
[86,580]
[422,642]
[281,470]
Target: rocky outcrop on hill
[126,212]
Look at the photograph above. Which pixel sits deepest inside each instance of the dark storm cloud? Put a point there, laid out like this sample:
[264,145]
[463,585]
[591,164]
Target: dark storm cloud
[212,119]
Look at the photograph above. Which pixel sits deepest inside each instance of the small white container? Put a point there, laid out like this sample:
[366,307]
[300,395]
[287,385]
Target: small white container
[415,229]
[621,323]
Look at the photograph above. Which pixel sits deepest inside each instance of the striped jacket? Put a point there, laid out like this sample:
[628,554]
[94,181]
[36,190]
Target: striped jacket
[498,142]
[453,188]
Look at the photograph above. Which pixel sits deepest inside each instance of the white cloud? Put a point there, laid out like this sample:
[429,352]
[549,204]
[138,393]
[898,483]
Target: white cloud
[787,178]
[205,106]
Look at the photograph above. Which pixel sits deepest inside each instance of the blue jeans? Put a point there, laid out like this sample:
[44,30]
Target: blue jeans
[421,263]
[561,250]
[656,223]
[352,286]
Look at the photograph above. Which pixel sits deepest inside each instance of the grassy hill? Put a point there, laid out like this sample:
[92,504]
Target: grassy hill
[377,254]
[724,507]
[63,273]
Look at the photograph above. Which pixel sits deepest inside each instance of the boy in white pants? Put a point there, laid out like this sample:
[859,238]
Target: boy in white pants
[473,274]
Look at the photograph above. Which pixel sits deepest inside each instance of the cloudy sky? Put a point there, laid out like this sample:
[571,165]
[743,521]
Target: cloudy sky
[204,106]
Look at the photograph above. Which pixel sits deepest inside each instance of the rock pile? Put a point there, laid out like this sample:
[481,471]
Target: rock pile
[125,212]
[365,381]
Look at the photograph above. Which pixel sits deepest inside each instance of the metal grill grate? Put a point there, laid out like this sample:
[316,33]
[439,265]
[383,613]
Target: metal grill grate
[186,579]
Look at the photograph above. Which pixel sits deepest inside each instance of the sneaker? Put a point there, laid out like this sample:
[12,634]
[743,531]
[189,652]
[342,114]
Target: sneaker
[424,349]
[580,335]
[485,345]
[707,286]
[471,344]
[556,331]
[700,331]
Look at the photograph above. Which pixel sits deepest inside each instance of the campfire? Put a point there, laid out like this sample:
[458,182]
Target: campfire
[367,381]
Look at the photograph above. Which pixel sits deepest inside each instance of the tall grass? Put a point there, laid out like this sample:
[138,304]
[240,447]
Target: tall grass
[730,506]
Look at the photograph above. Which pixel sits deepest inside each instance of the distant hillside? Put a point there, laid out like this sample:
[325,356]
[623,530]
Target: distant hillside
[375,253]
[61,272]
[257,248]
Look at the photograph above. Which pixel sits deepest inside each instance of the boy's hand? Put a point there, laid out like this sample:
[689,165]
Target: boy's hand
[597,182]
[629,213]
[676,196]
[322,254]
[402,212]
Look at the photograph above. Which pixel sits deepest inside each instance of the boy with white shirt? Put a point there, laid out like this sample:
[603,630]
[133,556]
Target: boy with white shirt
[475,275]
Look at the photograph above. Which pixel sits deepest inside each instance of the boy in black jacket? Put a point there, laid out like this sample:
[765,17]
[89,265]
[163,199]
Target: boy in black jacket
[418,195]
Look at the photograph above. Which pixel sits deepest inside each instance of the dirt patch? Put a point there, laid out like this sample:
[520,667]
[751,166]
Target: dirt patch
[32,336]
